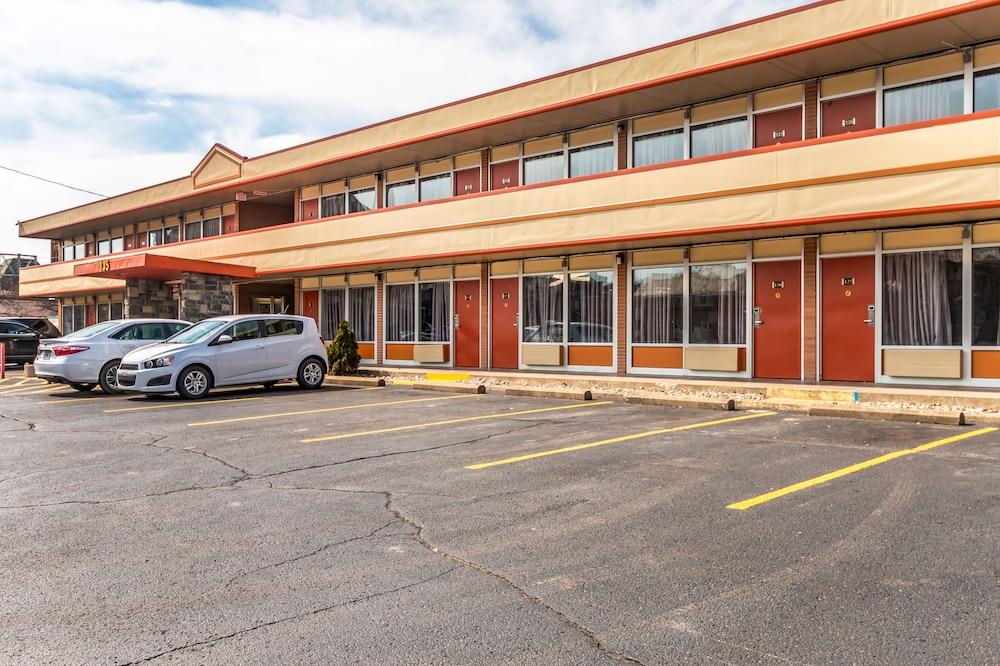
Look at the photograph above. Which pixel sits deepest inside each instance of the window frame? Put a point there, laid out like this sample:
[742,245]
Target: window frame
[960,75]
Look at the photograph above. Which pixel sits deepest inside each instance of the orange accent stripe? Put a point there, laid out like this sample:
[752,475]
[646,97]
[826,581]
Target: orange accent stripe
[767,55]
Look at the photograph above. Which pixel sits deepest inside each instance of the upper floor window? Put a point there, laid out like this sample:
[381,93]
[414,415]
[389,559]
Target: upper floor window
[211,227]
[435,187]
[361,200]
[118,244]
[722,136]
[923,101]
[332,205]
[73,250]
[398,194]
[986,90]
[192,230]
[658,147]
[543,168]
[104,246]
[591,159]
[154,237]
[171,234]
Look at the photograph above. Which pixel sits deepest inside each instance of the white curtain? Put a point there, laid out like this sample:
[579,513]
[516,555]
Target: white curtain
[920,293]
[362,313]
[401,193]
[435,312]
[658,148]
[543,308]
[543,168]
[718,304]
[592,159]
[591,307]
[399,313]
[333,311]
[924,101]
[658,305]
[725,136]
[362,200]
[436,187]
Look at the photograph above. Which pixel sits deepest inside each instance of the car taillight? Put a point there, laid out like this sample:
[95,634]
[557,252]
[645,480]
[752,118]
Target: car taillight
[66,350]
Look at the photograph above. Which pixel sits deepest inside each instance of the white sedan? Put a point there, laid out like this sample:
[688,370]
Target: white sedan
[229,351]
[88,357]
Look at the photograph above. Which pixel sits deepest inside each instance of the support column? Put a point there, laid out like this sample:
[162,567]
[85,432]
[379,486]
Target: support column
[809,319]
[622,145]
[484,315]
[484,170]
[148,298]
[621,327]
[811,109]
[379,308]
[204,296]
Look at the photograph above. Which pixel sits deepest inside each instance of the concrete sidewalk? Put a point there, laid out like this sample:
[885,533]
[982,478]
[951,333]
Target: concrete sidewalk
[895,403]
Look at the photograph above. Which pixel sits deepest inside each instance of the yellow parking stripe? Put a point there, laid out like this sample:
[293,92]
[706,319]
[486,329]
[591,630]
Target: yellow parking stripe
[176,404]
[324,410]
[481,417]
[63,401]
[844,471]
[27,389]
[614,440]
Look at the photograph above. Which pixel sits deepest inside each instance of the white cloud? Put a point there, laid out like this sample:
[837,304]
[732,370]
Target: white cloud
[110,95]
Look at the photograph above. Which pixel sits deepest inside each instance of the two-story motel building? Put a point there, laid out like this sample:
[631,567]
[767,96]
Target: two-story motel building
[809,196]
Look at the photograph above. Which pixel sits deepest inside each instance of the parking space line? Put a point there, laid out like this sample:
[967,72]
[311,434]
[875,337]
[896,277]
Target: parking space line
[851,469]
[465,419]
[614,440]
[324,410]
[178,404]
[101,397]
[24,390]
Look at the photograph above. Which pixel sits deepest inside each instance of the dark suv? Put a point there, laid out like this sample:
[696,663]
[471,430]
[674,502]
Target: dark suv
[20,335]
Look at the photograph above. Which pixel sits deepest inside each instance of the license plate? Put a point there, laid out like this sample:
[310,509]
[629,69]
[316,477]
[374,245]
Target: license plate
[124,373]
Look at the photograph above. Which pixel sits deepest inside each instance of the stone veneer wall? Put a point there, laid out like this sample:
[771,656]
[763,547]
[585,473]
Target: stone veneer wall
[149,298]
[204,296]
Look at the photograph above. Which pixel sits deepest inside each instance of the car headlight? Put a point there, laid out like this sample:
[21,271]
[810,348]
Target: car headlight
[158,362]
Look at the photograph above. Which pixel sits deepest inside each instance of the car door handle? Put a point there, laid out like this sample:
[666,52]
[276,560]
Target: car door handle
[258,346]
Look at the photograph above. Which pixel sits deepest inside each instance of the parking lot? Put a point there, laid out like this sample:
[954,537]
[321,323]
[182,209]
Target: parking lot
[394,525]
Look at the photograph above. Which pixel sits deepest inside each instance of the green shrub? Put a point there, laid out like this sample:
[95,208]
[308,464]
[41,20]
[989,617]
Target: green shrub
[342,353]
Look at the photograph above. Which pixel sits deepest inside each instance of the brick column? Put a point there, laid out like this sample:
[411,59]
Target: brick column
[622,146]
[484,315]
[379,191]
[379,308]
[809,309]
[621,304]
[484,170]
[811,109]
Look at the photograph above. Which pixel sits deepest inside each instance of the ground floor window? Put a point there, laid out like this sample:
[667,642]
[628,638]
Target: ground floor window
[435,312]
[74,317]
[334,311]
[355,305]
[986,296]
[922,298]
[718,304]
[658,305]
[591,306]
[109,311]
[542,309]
[400,313]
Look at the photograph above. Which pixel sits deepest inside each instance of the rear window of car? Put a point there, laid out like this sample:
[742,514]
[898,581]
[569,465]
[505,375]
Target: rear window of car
[276,327]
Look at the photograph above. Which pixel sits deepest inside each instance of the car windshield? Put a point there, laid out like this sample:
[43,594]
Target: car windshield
[198,332]
[91,330]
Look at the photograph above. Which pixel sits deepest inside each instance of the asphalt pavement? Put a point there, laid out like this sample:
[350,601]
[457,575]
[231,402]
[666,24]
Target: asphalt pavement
[399,526]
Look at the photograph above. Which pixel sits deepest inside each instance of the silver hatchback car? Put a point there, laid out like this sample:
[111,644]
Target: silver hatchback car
[228,351]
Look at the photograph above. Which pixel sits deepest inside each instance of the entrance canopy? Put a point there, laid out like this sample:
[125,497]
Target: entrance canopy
[147,266]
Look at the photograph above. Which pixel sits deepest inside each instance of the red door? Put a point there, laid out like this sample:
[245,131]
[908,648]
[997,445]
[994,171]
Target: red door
[466,182]
[777,334]
[467,324]
[310,305]
[777,127]
[503,322]
[503,175]
[848,114]
[847,337]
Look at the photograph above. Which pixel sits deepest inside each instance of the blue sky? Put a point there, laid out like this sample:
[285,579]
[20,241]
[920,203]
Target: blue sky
[111,95]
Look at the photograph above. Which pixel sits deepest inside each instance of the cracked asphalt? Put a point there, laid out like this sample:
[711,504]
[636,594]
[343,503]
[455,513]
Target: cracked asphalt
[137,530]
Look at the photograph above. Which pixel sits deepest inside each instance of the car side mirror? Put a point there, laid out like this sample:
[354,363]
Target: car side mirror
[224,340]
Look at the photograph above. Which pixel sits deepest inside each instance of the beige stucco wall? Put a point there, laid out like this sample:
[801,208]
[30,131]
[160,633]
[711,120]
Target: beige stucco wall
[956,163]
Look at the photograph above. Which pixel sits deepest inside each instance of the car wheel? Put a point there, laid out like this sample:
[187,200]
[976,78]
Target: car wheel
[193,383]
[311,373]
[83,387]
[109,377]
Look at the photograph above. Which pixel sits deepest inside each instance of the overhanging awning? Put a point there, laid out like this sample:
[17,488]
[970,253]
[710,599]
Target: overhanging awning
[147,266]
